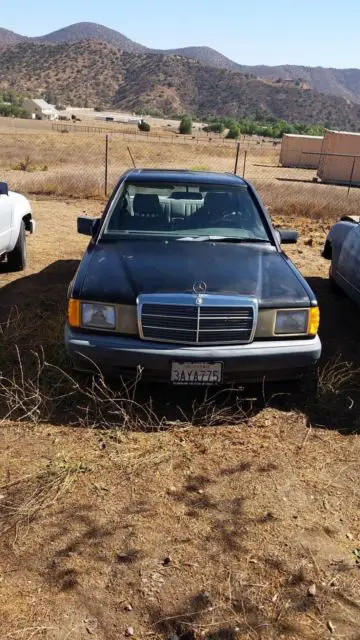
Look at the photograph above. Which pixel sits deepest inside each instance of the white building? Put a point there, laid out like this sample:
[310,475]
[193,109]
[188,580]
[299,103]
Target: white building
[40,109]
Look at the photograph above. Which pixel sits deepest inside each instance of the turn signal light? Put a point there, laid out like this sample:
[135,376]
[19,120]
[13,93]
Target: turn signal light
[314,321]
[74,313]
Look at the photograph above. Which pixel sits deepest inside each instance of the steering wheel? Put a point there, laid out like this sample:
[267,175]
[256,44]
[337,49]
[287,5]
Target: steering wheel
[222,217]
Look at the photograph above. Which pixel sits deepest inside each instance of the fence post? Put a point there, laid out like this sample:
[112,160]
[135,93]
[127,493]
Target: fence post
[132,159]
[351,176]
[106,164]
[244,167]
[237,157]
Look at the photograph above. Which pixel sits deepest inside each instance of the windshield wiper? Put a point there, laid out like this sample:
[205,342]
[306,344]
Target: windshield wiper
[234,239]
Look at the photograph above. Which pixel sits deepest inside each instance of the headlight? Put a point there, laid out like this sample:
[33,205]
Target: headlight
[292,322]
[94,315]
[98,316]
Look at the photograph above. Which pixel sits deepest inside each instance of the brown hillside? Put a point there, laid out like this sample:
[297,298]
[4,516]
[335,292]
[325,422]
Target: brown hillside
[91,31]
[91,73]
[8,38]
[338,82]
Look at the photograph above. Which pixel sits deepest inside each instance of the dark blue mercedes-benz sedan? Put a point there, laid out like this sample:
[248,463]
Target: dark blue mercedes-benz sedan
[184,281]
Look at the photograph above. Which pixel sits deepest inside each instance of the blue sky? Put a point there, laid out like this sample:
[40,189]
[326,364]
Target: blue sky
[309,32]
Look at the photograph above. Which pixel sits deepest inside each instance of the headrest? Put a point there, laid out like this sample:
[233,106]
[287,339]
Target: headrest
[147,204]
[215,200]
[187,195]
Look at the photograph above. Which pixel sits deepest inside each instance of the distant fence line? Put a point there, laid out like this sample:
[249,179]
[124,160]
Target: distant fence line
[169,137]
[89,166]
[68,127]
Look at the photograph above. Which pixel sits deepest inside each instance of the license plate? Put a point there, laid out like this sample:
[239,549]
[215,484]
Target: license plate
[196,373]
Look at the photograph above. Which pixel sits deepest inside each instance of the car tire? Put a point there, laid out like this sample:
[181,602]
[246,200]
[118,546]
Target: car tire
[17,258]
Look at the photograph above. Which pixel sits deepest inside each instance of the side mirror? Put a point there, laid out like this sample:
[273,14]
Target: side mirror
[288,236]
[87,226]
[4,189]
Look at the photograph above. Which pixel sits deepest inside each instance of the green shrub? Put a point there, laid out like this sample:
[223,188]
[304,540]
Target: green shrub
[233,132]
[185,126]
[144,126]
[10,110]
[216,127]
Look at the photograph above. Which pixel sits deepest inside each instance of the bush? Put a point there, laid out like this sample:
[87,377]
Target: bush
[216,127]
[144,126]
[24,165]
[9,110]
[185,126]
[233,132]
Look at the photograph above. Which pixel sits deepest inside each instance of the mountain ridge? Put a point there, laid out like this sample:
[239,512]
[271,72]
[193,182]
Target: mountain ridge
[97,74]
[332,81]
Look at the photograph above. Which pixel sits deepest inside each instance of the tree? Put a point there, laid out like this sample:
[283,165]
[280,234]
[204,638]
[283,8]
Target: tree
[185,126]
[9,110]
[233,132]
[144,126]
[216,127]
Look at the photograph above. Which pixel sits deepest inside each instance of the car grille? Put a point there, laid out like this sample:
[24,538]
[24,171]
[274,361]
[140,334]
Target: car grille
[196,319]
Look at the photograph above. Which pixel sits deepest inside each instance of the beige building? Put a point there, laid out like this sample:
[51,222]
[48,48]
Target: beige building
[339,163]
[300,151]
[40,109]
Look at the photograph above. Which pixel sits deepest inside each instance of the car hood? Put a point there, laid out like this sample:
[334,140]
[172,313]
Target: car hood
[119,272]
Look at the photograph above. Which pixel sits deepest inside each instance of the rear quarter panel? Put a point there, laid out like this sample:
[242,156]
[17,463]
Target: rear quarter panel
[335,239]
[346,269]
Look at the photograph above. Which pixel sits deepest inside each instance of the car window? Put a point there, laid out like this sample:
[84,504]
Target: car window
[180,210]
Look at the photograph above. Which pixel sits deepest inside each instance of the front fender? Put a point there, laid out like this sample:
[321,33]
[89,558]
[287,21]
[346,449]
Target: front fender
[21,210]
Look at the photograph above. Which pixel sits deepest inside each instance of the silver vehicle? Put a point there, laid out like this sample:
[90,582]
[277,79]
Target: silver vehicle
[342,247]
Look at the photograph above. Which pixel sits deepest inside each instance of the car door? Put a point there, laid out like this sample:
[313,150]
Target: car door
[6,211]
[349,264]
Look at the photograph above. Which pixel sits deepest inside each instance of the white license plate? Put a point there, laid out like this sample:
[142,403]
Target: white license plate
[196,373]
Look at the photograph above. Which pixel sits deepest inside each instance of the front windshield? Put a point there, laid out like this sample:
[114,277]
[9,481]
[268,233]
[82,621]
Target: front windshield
[185,212]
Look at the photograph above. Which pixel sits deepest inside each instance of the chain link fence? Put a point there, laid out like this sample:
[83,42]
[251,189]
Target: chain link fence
[68,163]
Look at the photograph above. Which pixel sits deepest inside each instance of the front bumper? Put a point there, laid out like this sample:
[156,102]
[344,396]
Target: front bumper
[118,356]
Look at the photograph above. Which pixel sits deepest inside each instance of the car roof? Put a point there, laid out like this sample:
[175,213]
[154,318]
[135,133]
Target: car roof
[184,175]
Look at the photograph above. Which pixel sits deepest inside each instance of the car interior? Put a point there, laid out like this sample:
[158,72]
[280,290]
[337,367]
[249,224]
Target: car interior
[184,209]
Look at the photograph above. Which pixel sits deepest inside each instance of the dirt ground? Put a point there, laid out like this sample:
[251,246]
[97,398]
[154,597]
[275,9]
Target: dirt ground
[235,516]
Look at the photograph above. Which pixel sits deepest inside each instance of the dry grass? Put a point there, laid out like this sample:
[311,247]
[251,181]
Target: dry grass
[33,493]
[247,495]
[75,167]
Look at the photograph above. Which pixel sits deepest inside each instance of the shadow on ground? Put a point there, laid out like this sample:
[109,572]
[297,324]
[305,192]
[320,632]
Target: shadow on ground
[32,314]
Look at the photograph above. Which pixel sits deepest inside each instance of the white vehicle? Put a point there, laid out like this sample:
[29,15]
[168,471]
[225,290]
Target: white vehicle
[15,220]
